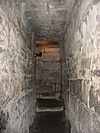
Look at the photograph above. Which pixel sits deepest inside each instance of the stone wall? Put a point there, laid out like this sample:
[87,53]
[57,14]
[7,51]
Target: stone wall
[82,72]
[48,70]
[16,70]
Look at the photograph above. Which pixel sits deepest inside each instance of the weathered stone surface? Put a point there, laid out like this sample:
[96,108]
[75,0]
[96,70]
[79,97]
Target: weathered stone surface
[16,71]
[51,20]
[75,87]
[82,64]
[48,70]
[48,18]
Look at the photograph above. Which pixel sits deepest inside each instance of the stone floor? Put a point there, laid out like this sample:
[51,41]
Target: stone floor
[49,122]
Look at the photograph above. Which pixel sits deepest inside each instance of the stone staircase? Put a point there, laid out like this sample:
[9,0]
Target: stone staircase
[49,122]
[49,103]
[50,115]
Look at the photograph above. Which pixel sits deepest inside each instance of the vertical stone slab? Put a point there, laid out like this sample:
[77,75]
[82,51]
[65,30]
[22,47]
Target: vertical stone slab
[82,62]
[17,93]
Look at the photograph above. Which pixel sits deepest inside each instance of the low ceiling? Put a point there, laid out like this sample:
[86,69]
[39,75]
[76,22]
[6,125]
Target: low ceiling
[48,18]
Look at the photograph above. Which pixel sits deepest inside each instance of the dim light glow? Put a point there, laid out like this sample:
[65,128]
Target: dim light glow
[49,50]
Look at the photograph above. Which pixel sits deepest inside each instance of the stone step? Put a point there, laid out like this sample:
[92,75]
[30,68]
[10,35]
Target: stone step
[49,102]
[56,109]
[46,97]
[49,105]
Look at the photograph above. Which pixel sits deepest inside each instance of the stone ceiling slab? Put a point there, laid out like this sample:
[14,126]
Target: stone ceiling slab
[48,18]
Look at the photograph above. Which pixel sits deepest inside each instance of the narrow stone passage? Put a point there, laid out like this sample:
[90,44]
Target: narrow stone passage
[49,66]
[49,122]
[50,117]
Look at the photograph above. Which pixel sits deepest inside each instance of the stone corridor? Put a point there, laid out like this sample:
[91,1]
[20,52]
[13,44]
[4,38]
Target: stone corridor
[49,66]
